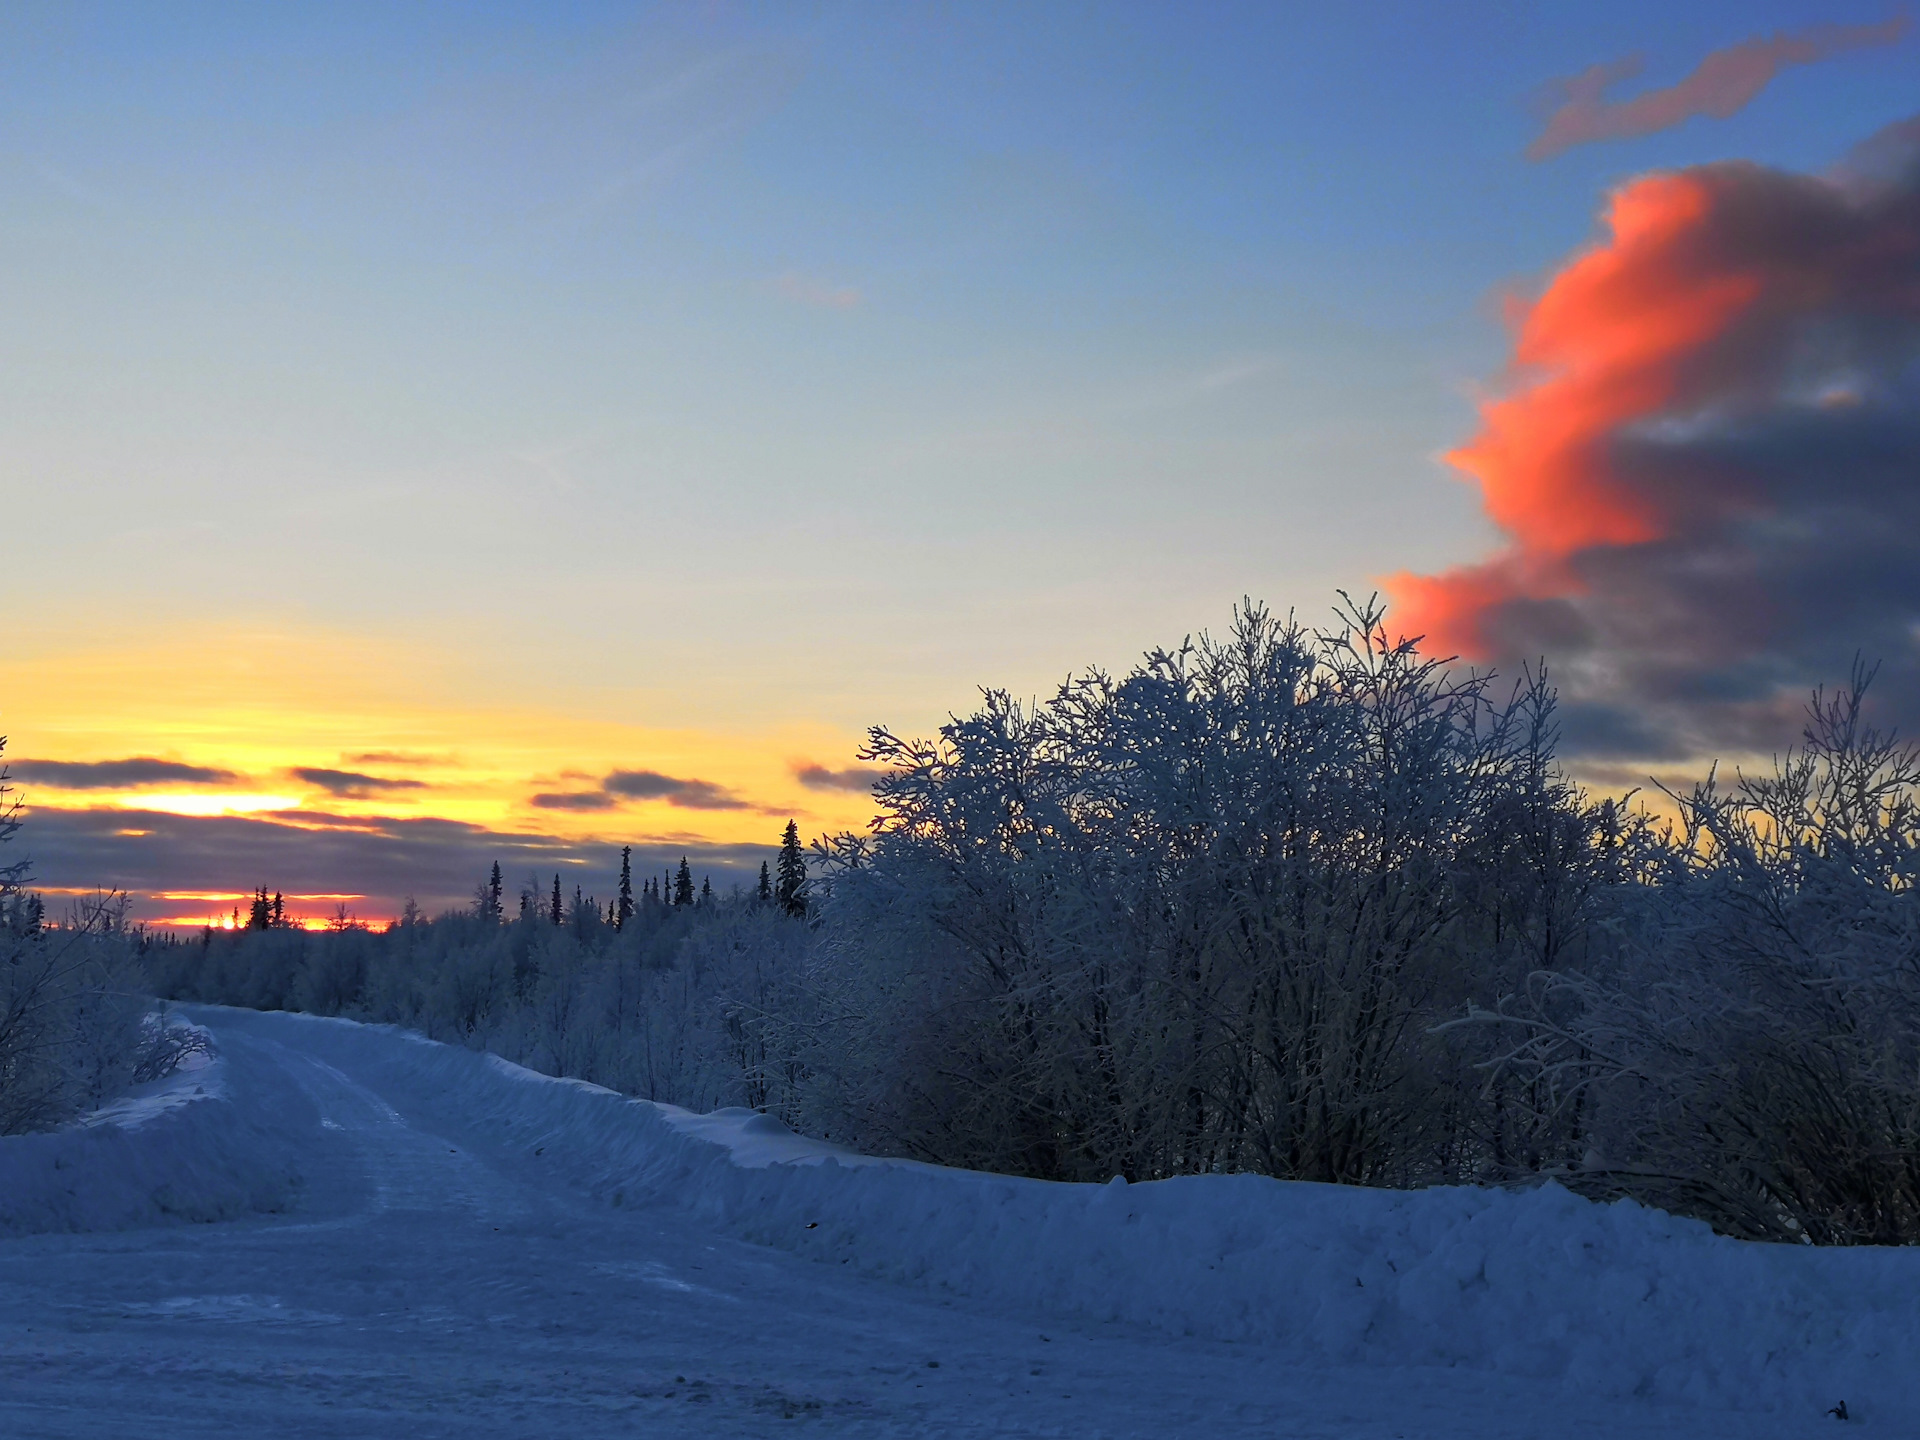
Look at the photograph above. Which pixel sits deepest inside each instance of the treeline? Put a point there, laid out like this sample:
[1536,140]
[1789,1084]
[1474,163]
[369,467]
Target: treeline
[1298,903]
[658,993]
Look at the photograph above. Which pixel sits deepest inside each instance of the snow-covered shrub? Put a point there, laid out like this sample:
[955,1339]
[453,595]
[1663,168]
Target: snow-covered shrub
[71,1010]
[1755,1059]
[1203,917]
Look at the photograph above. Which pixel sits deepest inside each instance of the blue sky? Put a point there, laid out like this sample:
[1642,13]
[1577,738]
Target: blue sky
[713,369]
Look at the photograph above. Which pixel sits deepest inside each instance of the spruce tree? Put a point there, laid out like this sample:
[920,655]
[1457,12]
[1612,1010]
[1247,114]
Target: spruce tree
[765,893]
[791,890]
[625,912]
[493,894]
[706,891]
[683,884]
[553,913]
[279,911]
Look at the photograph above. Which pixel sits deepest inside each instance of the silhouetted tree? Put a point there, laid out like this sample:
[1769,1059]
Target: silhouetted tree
[792,887]
[683,884]
[625,911]
[553,912]
[764,894]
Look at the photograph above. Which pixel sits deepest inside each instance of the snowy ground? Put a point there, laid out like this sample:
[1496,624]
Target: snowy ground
[340,1231]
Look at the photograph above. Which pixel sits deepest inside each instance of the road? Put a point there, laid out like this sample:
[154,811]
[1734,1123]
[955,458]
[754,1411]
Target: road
[433,1283]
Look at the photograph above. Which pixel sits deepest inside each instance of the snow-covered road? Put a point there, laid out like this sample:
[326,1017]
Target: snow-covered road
[435,1279]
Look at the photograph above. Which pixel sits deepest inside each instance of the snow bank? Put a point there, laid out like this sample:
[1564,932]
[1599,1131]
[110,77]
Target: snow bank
[1611,1299]
[173,1151]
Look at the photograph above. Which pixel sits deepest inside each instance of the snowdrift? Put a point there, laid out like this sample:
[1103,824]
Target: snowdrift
[1611,1299]
[175,1151]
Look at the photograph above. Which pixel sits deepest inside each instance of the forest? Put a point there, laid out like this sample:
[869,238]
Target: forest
[1297,902]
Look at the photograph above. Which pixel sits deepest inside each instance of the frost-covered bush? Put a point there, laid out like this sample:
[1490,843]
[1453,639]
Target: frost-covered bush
[1755,1057]
[72,1005]
[1205,916]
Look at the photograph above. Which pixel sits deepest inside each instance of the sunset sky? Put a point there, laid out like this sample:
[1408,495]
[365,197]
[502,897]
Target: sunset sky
[440,434]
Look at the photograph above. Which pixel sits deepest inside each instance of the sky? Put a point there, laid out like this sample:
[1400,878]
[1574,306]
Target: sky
[439,434]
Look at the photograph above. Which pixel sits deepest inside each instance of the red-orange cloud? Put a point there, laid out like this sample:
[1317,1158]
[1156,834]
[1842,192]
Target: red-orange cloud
[1720,85]
[1707,454]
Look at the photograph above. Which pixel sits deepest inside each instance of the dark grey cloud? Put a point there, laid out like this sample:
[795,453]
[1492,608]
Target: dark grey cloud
[351,784]
[117,774]
[573,800]
[1763,328]
[382,858]
[687,794]
[819,777]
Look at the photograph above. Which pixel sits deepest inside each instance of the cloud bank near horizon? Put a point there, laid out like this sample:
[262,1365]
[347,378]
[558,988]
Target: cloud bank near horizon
[1704,461]
[1722,84]
[382,859]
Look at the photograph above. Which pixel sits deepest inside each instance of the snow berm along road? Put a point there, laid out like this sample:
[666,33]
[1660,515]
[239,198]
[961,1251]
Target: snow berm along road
[339,1229]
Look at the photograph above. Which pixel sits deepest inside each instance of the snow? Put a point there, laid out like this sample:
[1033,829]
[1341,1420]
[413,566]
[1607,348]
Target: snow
[448,1204]
[173,1151]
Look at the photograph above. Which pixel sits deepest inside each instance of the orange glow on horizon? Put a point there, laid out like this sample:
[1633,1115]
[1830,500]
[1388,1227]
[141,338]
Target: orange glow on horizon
[226,921]
[352,707]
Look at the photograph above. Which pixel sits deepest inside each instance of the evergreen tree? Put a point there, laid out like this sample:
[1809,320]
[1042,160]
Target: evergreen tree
[260,917]
[554,913]
[625,911]
[526,905]
[279,912]
[706,890]
[791,889]
[683,884]
[765,893]
[493,894]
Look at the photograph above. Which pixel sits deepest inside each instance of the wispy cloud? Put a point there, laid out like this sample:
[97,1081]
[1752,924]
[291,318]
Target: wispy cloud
[130,774]
[394,757]
[1720,85]
[815,292]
